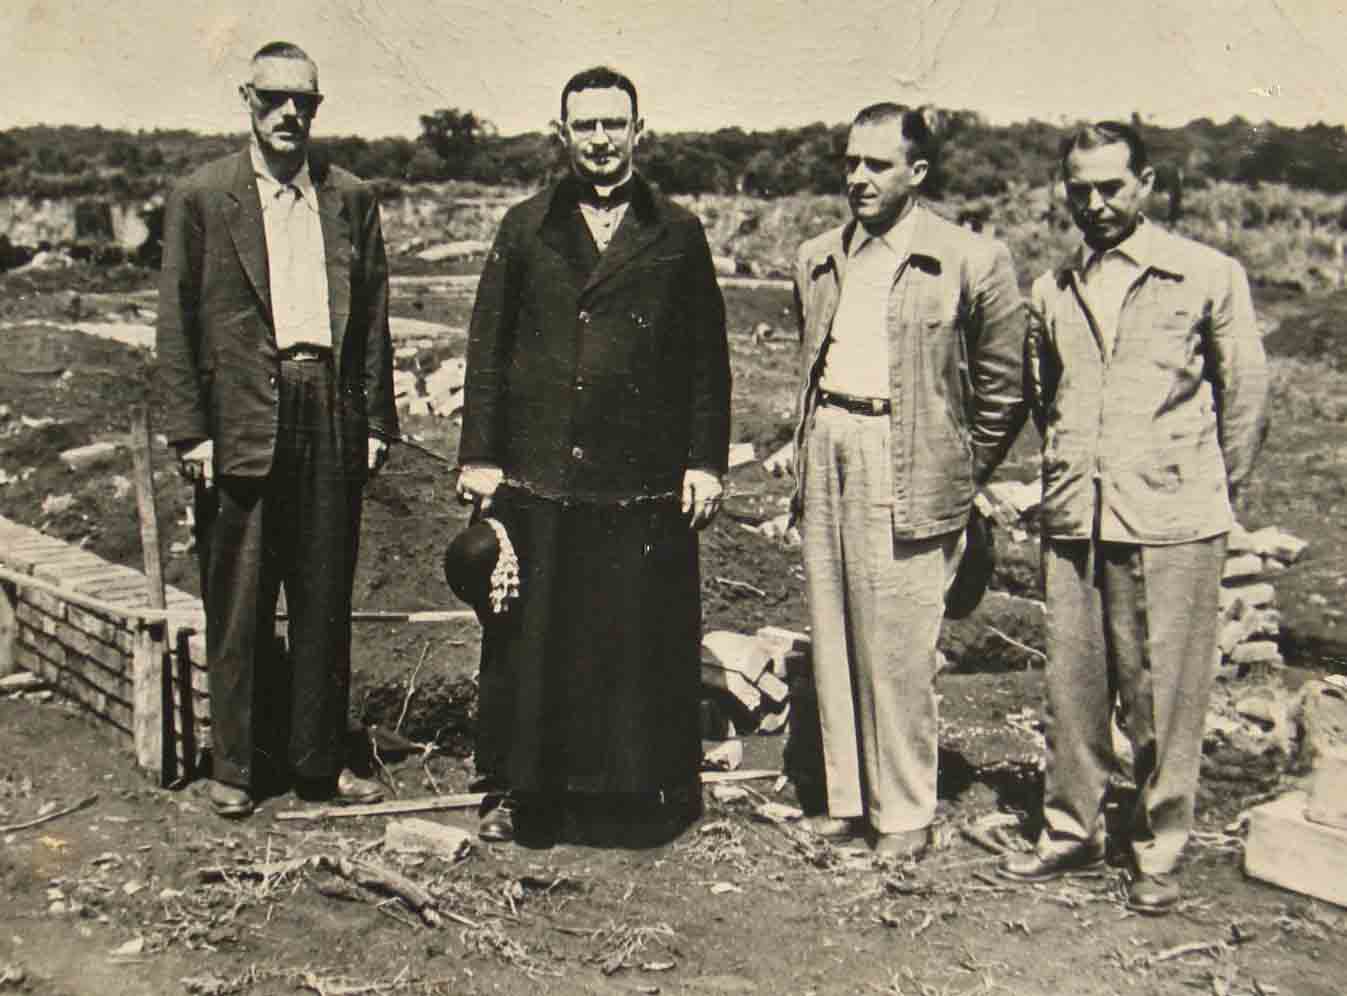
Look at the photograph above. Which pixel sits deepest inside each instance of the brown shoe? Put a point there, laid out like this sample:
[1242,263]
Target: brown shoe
[902,845]
[351,788]
[1035,867]
[1153,895]
[230,801]
[496,824]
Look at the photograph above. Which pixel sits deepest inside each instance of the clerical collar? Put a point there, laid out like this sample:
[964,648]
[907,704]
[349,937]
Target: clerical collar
[606,197]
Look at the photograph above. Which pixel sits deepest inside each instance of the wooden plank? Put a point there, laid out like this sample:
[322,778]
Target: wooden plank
[152,715]
[148,669]
[1286,849]
[9,629]
[425,804]
[467,800]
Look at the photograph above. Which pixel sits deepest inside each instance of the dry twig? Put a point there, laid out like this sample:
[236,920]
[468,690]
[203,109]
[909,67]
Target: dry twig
[84,803]
[1017,644]
[411,686]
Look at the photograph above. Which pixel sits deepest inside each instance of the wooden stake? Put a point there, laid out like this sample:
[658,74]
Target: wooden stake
[151,714]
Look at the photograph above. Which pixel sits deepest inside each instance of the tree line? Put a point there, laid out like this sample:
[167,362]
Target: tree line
[978,158]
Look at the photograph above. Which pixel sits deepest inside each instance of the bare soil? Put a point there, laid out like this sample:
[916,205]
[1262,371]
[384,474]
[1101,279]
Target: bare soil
[732,906]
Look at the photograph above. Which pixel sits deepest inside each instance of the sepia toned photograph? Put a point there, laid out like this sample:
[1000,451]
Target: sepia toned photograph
[715,498]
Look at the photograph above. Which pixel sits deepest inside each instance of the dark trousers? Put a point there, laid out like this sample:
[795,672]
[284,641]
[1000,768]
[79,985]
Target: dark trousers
[298,527]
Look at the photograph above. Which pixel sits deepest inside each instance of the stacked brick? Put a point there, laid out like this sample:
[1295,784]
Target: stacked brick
[1250,622]
[85,654]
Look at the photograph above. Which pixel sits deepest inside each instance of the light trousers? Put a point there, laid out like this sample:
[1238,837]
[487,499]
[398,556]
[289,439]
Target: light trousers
[875,607]
[1139,624]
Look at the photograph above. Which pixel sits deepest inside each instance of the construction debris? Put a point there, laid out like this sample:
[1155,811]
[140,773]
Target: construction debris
[1288,850]
[84,457]
[417,836]
[740,454]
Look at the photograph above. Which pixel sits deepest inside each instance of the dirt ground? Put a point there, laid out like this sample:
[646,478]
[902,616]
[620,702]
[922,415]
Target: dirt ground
[110,898]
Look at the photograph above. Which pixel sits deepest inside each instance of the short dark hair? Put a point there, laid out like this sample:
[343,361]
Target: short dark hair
[1102,133]
[921,126]
[281,50]
[599,78]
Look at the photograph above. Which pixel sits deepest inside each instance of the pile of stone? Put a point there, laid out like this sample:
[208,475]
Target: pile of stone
[746,680]
[1250,622]
[438,393]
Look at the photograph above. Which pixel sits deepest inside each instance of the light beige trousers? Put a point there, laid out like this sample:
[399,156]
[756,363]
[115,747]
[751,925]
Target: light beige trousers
[875,607]
[1139,624]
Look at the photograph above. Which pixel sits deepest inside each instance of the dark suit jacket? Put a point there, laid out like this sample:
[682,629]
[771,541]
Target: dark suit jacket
[217,353]
[598,378]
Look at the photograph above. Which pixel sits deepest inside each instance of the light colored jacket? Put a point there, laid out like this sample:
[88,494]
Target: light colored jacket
[956,337]
[1148,441]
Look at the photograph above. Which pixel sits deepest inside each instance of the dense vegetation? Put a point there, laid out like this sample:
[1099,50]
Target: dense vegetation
[980,159]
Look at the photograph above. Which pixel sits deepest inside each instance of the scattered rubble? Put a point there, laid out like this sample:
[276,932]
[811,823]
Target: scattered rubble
[85,457]
[418,836]
[56,504]
[740,454]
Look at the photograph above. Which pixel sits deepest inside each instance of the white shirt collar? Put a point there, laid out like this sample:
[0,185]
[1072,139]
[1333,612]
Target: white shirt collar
[1135,249]
[897,239]
[268,187]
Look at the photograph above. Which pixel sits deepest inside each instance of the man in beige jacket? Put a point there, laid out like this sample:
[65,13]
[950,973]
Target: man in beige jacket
[1148,381]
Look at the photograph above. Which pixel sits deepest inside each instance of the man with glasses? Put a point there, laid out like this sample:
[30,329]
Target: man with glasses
[1148,383]
[275,364]
[596,427]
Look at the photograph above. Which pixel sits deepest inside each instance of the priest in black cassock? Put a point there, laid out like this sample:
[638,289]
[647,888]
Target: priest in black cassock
[596,429]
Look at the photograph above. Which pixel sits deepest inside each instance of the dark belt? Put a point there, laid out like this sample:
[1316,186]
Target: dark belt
[852,403]
[305,353]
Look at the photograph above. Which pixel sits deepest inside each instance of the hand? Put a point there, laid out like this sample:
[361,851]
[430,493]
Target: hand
[197,464]
[378,455]
[477,484]
[702,491]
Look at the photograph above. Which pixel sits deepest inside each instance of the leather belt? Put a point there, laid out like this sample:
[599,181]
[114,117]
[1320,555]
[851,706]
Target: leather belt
[852,403]
[305,353]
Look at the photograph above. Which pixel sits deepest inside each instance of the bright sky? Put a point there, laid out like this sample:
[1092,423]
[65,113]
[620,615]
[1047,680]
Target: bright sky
[699,64]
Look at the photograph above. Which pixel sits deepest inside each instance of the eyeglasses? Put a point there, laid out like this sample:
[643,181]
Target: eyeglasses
[589,126]
[306,101]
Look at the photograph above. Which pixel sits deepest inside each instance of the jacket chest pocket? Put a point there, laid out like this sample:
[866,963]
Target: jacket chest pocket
[1175,338]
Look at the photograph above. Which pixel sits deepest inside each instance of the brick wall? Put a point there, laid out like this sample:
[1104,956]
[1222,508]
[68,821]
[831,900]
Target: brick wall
[90,656]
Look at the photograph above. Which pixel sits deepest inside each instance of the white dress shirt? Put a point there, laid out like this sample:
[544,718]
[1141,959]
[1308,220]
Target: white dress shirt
[296,258]
[1106,278]
[858,353]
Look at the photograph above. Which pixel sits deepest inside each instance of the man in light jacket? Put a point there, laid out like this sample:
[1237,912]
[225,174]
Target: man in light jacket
[912,337]
[1148,382]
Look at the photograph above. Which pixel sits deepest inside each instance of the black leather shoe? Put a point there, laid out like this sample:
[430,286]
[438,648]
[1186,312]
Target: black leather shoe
[230,801]
[496,823]
[347,788]
[1153,895]
[351,788]
[1034,867]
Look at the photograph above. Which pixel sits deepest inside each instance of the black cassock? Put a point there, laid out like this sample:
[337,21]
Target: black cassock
[595,380]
